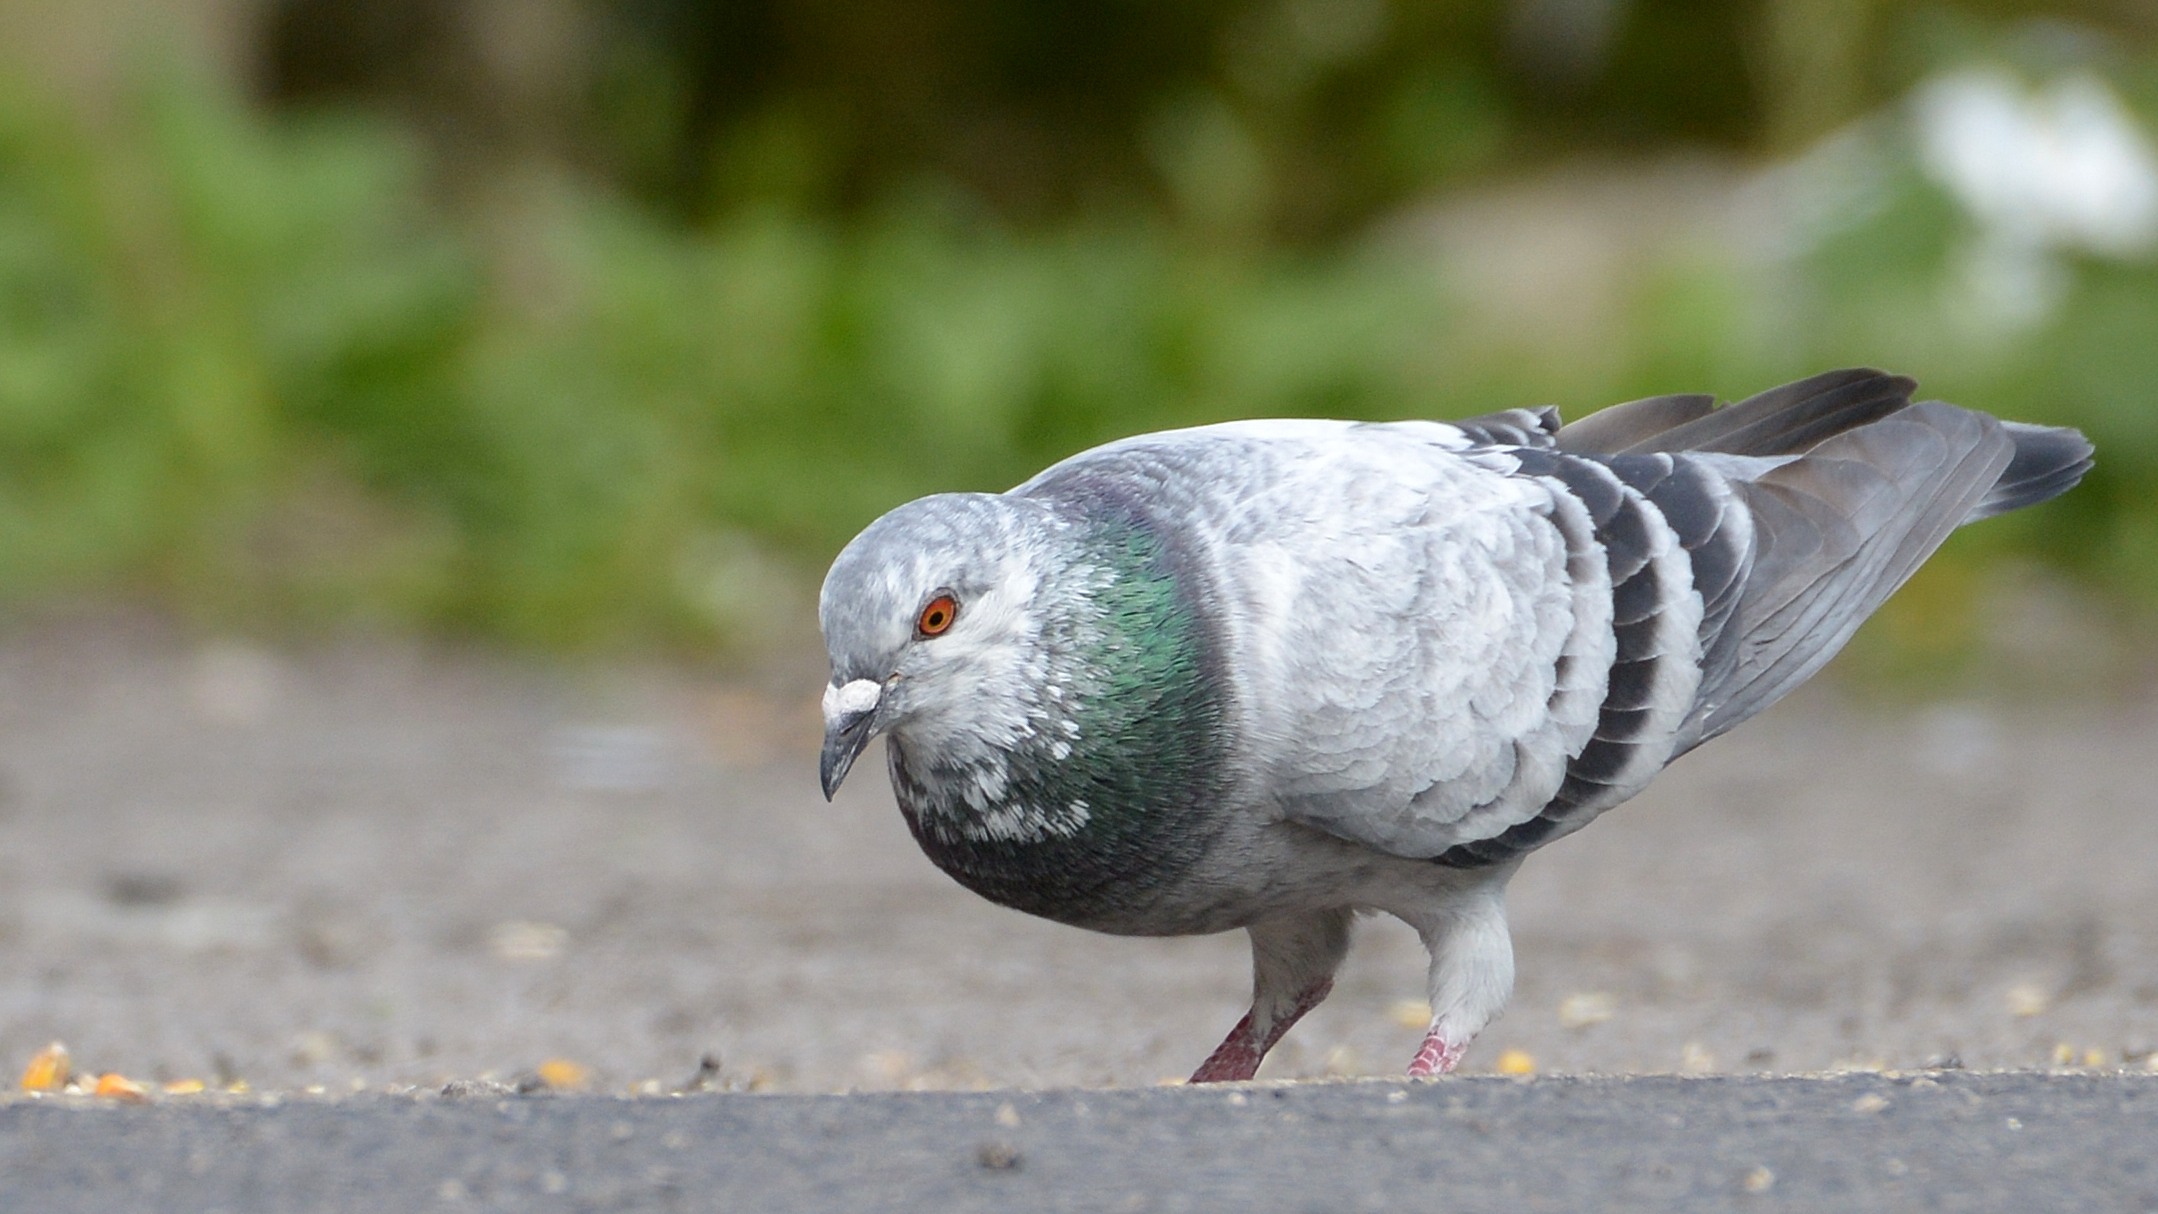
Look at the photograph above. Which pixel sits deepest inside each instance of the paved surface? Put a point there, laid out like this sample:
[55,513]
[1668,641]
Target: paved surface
[379,866]
[1957,1142]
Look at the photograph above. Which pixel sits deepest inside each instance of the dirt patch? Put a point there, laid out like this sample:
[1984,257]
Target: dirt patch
[375,864]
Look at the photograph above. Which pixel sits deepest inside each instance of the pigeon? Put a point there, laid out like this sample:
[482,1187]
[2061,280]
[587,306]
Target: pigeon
[1274,675]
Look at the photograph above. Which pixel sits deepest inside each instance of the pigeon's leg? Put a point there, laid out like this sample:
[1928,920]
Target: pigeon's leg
[1292,969]
[1472,973]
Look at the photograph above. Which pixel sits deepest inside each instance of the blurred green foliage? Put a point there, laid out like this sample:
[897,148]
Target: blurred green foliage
[263,368]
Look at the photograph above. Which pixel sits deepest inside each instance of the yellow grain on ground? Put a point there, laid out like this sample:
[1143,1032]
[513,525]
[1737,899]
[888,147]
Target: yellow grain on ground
[1409,1013]
[186,1087]
[114,1086]
[1515,1062]
[563,1075]
[48,1070]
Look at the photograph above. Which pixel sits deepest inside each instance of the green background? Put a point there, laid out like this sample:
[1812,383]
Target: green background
[598,327]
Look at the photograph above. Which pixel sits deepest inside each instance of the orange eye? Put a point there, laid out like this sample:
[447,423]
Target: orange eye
[938,616]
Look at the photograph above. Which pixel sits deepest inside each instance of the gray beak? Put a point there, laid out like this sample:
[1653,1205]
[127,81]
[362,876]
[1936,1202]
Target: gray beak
[850,715]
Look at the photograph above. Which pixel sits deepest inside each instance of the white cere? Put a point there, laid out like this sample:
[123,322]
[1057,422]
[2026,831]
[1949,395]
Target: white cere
[850,698]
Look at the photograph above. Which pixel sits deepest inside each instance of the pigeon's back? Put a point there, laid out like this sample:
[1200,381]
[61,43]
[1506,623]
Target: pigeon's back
[1459,641]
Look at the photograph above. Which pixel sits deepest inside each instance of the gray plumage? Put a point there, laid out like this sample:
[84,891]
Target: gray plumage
[1273,674]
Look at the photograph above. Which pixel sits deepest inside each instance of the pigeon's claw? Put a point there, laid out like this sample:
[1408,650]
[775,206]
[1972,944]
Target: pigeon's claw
[1438,1056]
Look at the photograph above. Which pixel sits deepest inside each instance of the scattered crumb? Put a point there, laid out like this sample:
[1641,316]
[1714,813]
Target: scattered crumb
[1515,1062]
[115,1086]
[1760,1180]
[48,1071]
[1871,1102]
[186,1087]
[1007,1116]
[563,1075]
[1694,1058]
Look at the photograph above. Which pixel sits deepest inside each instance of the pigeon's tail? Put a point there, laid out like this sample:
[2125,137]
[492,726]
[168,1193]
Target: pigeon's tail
[2048,462]
[1845,486]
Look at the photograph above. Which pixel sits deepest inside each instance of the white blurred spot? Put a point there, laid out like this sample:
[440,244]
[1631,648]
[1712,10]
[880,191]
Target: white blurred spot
[524,940]
[2062,169]
[2064,166]
[2027,999]
[1578,1011]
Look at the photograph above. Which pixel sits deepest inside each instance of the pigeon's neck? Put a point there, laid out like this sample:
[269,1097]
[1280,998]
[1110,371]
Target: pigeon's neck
[1110,788]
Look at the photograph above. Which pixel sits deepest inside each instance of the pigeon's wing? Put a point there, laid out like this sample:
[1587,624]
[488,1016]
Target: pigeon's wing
[1417,638]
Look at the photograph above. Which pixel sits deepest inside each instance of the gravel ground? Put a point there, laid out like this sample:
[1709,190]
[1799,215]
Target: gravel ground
[371,865]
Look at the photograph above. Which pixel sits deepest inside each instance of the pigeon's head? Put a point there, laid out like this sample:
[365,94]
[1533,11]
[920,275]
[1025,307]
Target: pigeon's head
[929,622]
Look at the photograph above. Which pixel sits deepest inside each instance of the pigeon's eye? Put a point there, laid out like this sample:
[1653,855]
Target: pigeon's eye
[938,616]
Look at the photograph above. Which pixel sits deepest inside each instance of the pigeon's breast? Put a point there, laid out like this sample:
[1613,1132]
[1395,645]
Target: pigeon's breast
[1117,788]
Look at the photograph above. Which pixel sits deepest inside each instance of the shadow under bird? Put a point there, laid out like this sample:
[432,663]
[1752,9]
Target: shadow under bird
[1272,674]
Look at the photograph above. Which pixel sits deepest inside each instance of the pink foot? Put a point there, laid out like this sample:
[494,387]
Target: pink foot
[1236,1058]
[1239,1054]
[1437,1057]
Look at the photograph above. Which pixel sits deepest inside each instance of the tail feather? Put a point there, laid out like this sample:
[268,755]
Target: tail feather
[1838,531]
[2048,462]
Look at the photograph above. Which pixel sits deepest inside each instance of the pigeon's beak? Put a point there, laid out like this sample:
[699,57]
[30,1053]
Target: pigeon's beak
[850,714]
